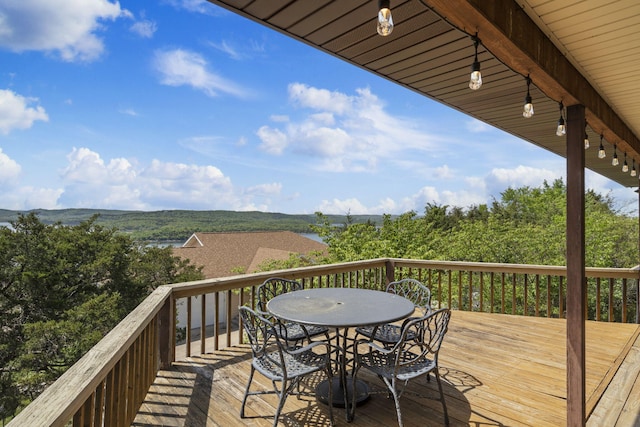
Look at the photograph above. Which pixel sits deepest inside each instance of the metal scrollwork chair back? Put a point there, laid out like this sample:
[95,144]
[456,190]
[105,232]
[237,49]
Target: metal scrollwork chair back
[412,289]
[414,355]
[293,333]
[285,366]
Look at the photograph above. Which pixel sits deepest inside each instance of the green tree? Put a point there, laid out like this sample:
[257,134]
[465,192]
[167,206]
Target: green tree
[62,288]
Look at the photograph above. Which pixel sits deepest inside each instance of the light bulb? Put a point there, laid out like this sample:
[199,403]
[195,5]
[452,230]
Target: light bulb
[476,78]
[561,129]
[586,141]
[614,161]
[625,167]
[385,21]
[528,108]
[601,153]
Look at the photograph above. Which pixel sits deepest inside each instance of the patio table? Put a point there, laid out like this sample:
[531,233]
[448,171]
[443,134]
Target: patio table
[341,309]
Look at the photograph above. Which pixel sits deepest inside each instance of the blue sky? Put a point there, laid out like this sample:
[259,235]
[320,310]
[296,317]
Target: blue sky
[178,104]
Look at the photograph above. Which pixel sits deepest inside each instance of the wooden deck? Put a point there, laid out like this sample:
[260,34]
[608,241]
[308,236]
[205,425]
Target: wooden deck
[499,370]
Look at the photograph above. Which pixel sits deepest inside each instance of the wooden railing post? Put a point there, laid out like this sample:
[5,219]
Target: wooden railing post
[166,333]
[390,271]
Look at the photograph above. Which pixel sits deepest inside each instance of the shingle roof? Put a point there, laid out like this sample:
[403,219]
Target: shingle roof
[225,254]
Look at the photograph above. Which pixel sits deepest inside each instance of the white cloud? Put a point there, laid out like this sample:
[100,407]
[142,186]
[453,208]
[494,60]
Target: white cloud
[274,141]
[273,188]
[196,6]
[180,67]
[16,112]
[478,190]
[476,126]
[17,197]
[443,172]
[9,169]
[228,49]
[342,207]
[144,28]
[129,112]
[500,179]
[345,132]
[66,27]
[92,182]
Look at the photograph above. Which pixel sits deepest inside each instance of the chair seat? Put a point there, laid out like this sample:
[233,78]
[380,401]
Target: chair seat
[297,364]
[296,332]
[383,364]
[386,334]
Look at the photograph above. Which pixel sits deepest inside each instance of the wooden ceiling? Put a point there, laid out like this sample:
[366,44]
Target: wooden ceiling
[578,52]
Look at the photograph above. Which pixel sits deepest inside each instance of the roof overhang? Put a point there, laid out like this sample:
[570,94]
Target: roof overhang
[431,51]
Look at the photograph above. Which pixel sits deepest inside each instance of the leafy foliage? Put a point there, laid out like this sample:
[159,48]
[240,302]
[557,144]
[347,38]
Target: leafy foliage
[62,288]
[526,226]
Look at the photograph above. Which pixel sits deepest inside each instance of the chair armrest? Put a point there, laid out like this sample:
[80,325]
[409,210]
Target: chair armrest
[372,346]
[309,347]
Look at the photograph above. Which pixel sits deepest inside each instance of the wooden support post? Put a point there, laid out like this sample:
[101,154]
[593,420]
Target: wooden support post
[576,279]
[390,272]
[166,333]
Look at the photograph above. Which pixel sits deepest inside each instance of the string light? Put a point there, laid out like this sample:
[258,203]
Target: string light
[586,138]
[385,20]
[633,167]
[562,128]
[614,161]
[625,165]
[601,153]
[528,105]
[476,77]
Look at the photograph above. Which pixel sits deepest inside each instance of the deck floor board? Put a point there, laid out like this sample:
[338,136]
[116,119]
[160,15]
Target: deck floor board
[498,370]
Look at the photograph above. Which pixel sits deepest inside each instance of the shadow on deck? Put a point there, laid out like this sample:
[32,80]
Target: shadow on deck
[498,370]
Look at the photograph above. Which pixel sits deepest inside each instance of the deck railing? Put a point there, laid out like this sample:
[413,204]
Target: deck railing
[108,385]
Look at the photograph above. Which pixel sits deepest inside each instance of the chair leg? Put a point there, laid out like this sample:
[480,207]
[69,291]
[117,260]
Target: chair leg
[391,385]
[284,390]
[246,392]
[444,405]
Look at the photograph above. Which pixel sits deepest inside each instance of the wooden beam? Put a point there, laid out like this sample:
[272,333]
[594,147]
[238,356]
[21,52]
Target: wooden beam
[576,278]
[511,36]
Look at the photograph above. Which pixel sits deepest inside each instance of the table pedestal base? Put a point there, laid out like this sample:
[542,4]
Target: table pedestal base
[322,392]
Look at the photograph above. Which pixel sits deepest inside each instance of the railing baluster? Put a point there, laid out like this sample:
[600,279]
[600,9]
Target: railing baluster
[537,308]
[492,292]
[503,293]
[513,293]
[188,343]
[549,312]
[203,323]
[216,321]
[470,279]
[228,330]
[481,291]
[624,300]
[598,300]
[561,299]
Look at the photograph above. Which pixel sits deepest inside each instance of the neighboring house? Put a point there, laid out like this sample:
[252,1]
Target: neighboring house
[228,254]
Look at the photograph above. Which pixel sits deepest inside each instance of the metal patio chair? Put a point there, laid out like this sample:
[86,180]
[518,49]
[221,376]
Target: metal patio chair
[293,333]
[412,289]
[285,366]
[414,355]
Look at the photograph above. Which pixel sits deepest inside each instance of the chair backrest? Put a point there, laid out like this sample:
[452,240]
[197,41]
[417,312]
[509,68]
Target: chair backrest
[422,336]
[413,290]
[259,330]
[272,287]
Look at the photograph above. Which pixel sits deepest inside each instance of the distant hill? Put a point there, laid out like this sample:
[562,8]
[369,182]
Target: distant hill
[178,225]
